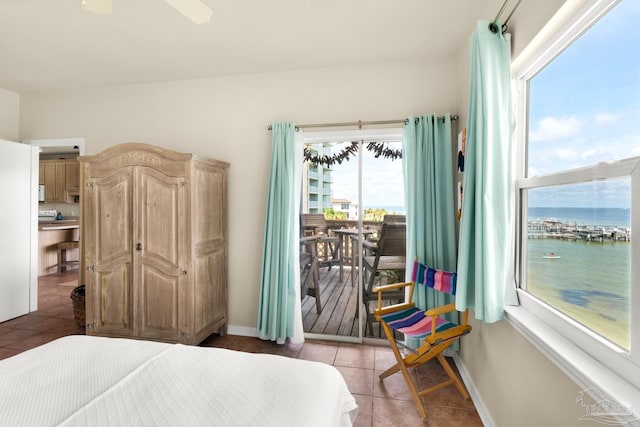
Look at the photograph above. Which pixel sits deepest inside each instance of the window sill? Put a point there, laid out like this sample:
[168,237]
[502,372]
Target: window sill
[594,377]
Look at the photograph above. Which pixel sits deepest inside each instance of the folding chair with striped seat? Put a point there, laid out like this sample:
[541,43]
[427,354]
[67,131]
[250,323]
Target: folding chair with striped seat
[434,332]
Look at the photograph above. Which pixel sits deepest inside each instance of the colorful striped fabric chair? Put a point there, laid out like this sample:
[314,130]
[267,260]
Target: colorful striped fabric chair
[434,332]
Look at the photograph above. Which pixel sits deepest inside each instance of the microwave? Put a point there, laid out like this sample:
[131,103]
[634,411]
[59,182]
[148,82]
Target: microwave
[41,193]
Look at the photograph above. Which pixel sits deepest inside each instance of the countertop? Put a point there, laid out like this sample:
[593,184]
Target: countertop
[62,224]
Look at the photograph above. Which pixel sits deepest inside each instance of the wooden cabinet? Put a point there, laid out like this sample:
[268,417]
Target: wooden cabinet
[154,244]
[72,177]
[60,179]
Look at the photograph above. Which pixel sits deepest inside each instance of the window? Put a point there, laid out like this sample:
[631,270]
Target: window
[578,187]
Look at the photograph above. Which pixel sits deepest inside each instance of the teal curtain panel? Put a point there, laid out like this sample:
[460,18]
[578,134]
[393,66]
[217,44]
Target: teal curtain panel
[279,315]
[427,160]
[485,225]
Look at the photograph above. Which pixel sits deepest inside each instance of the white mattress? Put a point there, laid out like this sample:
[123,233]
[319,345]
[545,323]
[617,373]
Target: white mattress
[94,381]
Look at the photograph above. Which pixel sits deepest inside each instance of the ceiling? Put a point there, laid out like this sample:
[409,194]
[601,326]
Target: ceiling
[56,44]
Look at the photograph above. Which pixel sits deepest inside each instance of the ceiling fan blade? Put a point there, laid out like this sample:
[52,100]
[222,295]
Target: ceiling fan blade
[195,10]
[97,6]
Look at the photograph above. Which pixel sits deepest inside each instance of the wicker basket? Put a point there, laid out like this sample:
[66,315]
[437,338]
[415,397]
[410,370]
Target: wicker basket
[77,297]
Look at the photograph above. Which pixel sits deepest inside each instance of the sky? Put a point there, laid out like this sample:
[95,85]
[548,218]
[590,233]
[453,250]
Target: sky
[382,180]
[584,109]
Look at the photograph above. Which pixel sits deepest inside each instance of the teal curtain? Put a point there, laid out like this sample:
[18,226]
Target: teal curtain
[279,312]
[485,238]
[427,160]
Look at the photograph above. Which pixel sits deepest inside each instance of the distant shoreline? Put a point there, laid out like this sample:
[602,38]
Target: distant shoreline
[552,228]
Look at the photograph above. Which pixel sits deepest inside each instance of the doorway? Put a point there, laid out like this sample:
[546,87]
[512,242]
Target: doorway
[351,179]
[59,214]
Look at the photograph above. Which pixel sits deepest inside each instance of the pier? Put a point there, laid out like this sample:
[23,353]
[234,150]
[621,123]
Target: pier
[554,229]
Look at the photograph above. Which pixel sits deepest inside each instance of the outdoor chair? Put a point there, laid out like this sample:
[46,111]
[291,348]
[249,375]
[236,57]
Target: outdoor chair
[309,272]
[327,244]
[370,244]
[394,218]
[387,264]
[434,332]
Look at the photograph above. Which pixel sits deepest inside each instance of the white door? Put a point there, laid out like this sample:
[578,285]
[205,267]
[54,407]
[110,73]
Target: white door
[18,228]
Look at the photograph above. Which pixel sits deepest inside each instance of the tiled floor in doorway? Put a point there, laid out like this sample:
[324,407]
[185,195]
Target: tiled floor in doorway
[385,403]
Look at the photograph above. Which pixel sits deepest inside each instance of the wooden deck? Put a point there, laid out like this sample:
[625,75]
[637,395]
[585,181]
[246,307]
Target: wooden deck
[339,305]
[339,302]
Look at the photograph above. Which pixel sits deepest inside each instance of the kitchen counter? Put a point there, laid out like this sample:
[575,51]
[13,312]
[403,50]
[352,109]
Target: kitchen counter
[50,233]
[63,224]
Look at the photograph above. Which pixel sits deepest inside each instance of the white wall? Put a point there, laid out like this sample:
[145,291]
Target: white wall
[227,118]
[518,385]
[9,115]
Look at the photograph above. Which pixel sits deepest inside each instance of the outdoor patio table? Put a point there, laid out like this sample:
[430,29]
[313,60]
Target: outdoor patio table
[344,249]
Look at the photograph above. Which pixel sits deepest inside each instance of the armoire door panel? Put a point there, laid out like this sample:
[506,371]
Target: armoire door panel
[113,196]
[115,303]
[161,216]
[210,224]
[159,299]
[210,301]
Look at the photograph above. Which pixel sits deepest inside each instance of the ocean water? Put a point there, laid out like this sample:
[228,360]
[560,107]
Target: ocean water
[620,217]
[590,281]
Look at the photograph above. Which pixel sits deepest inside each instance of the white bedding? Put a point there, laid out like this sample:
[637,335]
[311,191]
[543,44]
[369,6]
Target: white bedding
[80,380]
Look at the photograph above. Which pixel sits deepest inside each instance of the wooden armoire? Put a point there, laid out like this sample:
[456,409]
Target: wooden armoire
[154,243]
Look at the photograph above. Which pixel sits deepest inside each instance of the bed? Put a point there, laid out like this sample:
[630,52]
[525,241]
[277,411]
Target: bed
[97,381]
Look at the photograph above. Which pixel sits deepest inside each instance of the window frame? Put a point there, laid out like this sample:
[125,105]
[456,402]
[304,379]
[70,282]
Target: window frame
[590,360]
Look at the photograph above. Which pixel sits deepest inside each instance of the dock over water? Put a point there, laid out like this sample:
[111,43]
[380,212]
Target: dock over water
[554,229]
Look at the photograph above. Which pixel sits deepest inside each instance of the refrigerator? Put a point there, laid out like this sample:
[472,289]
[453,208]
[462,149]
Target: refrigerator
[19,229]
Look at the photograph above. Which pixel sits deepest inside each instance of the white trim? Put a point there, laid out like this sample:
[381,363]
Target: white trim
[617,169]
[467,379]
[58,142]
[33,283]
[634,337]
[572,20]
[243,331]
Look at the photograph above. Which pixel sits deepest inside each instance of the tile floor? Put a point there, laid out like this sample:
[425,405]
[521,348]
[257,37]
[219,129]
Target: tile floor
[385,403]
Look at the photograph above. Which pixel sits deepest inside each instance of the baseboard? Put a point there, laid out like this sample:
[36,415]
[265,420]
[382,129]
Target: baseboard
[473,392]
[244,331]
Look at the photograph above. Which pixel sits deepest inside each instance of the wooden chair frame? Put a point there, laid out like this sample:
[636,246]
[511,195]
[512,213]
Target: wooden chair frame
[309,270]
[431,347]
[388,256]
[316,225]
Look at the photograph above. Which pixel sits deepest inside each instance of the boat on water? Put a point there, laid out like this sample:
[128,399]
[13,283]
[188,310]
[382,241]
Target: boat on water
[551,255]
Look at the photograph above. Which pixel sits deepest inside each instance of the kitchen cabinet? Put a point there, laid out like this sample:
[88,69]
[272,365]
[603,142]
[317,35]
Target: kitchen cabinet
[72,177]
[60,179]
[154,244]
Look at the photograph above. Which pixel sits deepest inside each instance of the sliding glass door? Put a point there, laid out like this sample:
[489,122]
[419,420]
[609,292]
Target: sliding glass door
[351,180]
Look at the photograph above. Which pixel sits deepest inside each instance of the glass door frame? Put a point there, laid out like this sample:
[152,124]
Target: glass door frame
[362,136]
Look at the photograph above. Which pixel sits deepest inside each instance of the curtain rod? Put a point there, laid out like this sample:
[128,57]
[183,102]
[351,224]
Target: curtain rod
[360,123]
[493,27]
